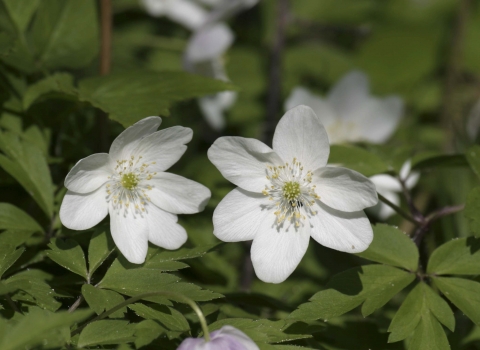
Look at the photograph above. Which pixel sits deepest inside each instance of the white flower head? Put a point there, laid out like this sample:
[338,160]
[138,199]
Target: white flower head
[226,338]
[389,187]
[130,184]
[287,194]
[350,113]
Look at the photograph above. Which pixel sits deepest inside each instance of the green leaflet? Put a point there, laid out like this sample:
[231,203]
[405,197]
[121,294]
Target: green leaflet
[372,285]
[100,247]
[101,300]
[459,257]
[13,218]
[167,316]
[106,332]
[392,247]
[8,256]
[68,254]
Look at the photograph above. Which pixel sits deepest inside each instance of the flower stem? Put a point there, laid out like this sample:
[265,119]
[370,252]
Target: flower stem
[397,209]
[131,300]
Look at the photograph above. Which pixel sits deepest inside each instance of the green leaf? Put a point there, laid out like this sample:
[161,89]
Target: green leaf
[100,247]
[392,247]
[372,285]
[169,317]
[131,96]
[464,294]
[473,158]
[106,332]
[357,159]
[26,163]
[164,255]
[36,326]
[54,85]
[14,237]
[458,257]
[8,256]
[472,208]
[69,254]
[420,302]
[21,12]
[441,161]
[102,300]
[13,218]
[65,33]
[429,335]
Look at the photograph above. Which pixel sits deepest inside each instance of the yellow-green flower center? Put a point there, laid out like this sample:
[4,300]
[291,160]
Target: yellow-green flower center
[291,190]
[129,181]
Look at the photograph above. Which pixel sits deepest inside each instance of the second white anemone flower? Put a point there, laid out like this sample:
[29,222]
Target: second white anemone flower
[130,184]
[287,194]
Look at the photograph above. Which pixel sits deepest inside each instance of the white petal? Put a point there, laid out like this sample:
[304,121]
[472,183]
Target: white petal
[130,235]
[323,110]
[89,173]
[123,145]
[300,134]
[209,43]
[178,195]
[187,13]
[163,229]
[277,252]
[346,232]
[164,147]
[83,211]
[243,161]
[384,182]
[214,106]
[412,179]
[383,211]
[238,335]
[239,215]
[405,170]
[351,91]
[344,189]
[377,119]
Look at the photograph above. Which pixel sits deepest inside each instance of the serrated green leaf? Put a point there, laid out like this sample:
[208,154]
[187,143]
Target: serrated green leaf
[21,12]
[357,159]
[373,285]
[65,33]
[101,300]
[106,332]
[131,96]
[464,294]
[8,256]
[100,247]
[36,326]
[472,208]
[69,254]
[429,335]
[392,247]
[169,317]
[419,302]
[458,257]
[56,84]
[13,218]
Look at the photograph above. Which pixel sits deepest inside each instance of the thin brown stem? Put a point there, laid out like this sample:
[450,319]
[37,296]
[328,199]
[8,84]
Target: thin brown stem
[444,212]
[76,304]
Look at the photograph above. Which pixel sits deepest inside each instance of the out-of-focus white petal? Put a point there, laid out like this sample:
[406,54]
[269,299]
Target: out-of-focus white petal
[412,180]
[346,232]
[301,135]
[344,189]
[385,182]
[129,139]
[178,195]
[405,169]
[164,147]
[83,211]
[89,173]
[214,106]
[243,161]
[323,110]
[239,215]
[209,43]
[184,12]
[130,234]
[236,335]
[383,211]
[276,252]
[163,229]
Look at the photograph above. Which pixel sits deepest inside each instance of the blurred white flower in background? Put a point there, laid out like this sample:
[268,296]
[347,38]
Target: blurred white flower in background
[226,338]
[350,113]
[287,194]
[130,184]
[389,187]
[210,40]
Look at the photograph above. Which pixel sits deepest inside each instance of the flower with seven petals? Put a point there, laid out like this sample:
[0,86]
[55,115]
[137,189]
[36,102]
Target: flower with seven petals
[226,338]
[130,184]
[287,194]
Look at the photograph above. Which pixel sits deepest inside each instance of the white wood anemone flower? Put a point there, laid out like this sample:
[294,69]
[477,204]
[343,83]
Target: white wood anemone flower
[130,184]
[226,338]
[350,113]
[287,194]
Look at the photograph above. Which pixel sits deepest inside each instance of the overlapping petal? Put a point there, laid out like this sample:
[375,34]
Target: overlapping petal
[277,251]
[301,135]
[344,189]
[323,110]
[347,232]
[239,215]
[349,93]
[163,229]
[89,173]
[177,194]
[243,161]
[83,211]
